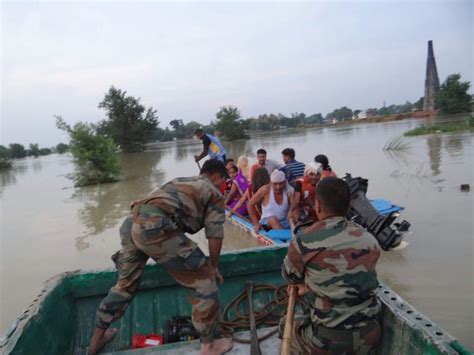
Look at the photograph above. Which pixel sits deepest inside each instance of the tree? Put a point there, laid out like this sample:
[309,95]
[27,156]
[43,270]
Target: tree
[316,118]
[5,161]
[176,124]
[34,150]
[343,113]
[453,96]
[179,128]
[17,151]
[62,148]
[45,151]
[418,106]
[127,124]
[229,123]
[94,154]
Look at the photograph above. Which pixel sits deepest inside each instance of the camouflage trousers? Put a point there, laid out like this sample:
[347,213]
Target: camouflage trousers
[154,236]
[307,338]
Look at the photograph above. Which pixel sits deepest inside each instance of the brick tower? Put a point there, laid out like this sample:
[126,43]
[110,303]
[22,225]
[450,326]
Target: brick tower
[431,80]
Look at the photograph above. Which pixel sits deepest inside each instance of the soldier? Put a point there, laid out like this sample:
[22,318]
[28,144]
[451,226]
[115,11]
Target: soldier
[156,230]
[334,260]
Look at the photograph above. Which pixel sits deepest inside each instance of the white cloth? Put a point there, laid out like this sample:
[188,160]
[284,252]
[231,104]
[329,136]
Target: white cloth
[274,209]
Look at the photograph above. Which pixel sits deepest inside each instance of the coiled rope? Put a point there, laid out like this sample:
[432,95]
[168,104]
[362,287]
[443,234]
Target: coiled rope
[235,316]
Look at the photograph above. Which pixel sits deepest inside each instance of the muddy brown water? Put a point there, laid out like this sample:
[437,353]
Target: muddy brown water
[48,227]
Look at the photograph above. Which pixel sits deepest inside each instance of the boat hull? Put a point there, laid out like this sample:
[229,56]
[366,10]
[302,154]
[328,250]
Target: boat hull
[61,319]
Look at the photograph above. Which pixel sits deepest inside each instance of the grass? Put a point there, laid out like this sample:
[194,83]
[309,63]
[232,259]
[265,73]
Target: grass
[442,128]
[397,143]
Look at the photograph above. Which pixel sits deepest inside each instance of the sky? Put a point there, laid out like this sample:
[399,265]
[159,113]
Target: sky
[187,59]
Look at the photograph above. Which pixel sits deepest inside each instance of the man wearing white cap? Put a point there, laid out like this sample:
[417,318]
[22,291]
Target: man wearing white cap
[274,199]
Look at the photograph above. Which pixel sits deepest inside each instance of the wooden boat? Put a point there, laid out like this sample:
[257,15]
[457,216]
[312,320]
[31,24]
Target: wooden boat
[282,236]
[61,319]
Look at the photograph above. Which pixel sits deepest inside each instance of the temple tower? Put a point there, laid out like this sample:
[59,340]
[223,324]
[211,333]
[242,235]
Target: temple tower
[431,80]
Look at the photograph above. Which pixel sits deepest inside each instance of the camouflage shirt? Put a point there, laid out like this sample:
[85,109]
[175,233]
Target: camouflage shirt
[336,260]
[192,203]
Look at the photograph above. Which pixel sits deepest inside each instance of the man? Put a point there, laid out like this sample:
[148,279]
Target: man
[334,261]
[302,203]
[263,162]
[157,230]
[274,200]
[211,147]
[293,169]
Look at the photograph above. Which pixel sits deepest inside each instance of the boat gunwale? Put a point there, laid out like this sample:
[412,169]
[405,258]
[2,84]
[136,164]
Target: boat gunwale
[67,283]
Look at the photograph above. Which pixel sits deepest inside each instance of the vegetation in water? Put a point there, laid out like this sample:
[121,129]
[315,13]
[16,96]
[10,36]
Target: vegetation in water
[5,161]
[442,128]
[128,123]
[396,144]
[453,96]
[94,154]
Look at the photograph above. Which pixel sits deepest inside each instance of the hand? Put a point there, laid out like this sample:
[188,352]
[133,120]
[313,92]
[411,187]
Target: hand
[257,227]
[231,212]
[217,275]
[301,289]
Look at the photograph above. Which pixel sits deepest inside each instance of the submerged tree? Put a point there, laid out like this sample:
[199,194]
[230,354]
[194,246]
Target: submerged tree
[453,96]
[94,154]
[5,161]
[17,151]
[229,123]
[62,148]
[34,150]
[128,123]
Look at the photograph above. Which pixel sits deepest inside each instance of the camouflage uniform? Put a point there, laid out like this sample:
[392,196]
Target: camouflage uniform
[336,259]
[156,230]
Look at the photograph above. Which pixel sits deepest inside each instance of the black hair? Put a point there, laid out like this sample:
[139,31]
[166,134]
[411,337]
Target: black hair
[333,193]
[214,166]
[199,130]
[289,152]
[261,151]
[260,178]
[323,160]
[233,167]
[228,160]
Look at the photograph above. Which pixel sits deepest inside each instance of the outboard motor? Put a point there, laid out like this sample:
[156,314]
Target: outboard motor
[363,213]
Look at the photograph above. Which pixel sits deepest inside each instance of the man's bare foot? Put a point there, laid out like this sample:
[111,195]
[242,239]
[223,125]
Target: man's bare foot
[216,347]
[99,339]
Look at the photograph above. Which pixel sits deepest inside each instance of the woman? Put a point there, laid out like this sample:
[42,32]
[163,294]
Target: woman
[302,203]
[237,190]
[325,169]
[243,165]
[260,178]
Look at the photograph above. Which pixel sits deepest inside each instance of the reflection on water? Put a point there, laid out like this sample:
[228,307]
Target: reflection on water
[434,152]
[7,177]
[454,145]
[104,205]
[183,152]
[36,164]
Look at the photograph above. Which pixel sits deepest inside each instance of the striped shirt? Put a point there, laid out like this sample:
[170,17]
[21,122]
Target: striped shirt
[293,170]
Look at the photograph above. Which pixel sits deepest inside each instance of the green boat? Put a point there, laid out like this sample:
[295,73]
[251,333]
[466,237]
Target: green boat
[61,319]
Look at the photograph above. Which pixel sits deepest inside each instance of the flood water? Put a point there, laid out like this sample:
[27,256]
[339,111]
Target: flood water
[48,226]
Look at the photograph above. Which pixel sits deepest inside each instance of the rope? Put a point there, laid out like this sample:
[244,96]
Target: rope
[233,320]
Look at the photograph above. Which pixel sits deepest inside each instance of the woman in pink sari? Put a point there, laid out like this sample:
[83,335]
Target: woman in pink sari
[238,189]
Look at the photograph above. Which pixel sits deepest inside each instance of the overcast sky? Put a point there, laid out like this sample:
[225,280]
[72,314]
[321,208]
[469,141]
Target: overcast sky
[188,59]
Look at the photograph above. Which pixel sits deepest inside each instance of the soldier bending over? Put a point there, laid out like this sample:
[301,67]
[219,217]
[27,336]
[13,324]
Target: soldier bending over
[156,230]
